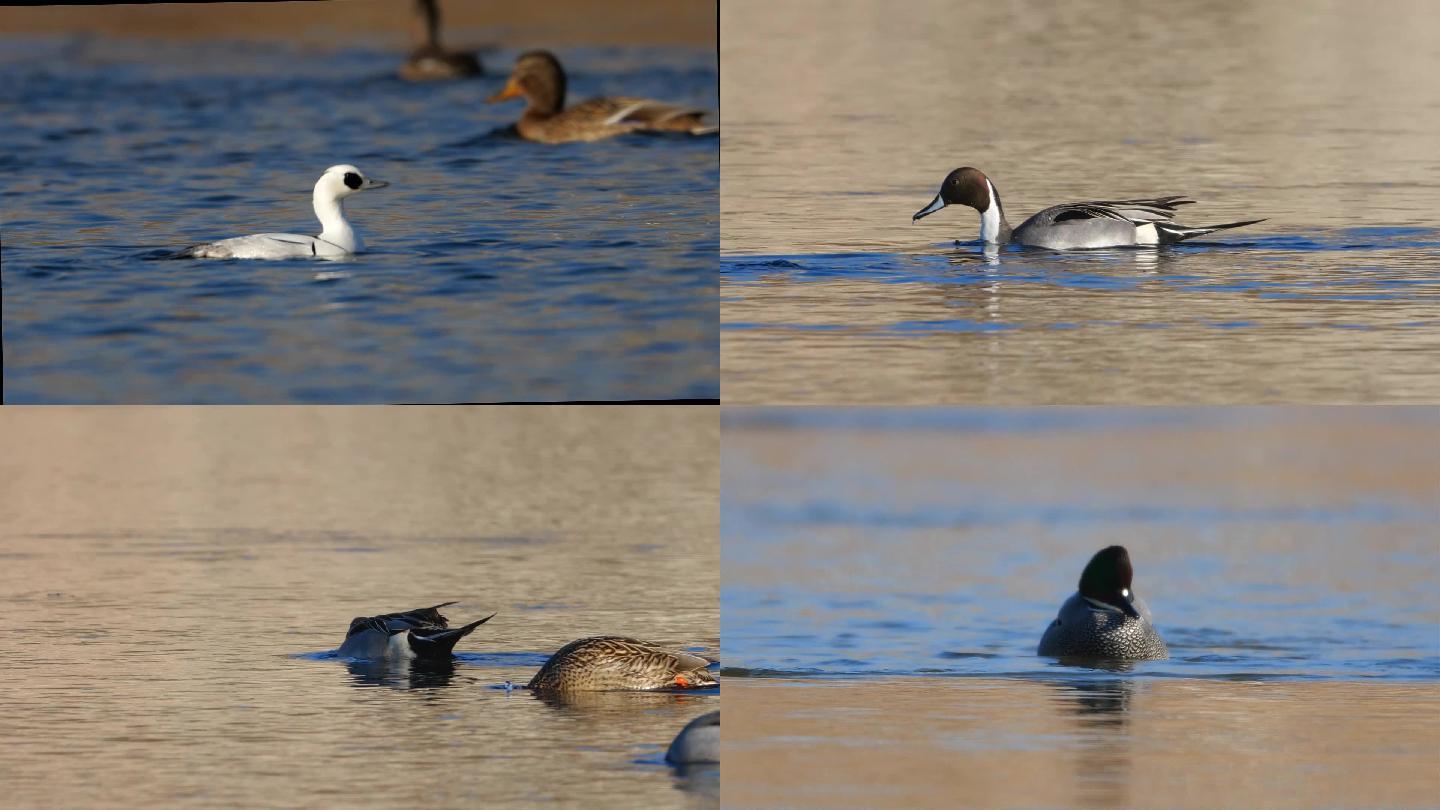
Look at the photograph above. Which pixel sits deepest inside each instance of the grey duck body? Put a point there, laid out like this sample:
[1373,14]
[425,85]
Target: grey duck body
[1083,630]
[698,742]
[1048,230]
[1104,619]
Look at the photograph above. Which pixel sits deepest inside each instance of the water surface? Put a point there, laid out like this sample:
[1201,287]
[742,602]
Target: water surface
[1322,122]
[1183,744]
[887,575]
[188,573]
[496,269]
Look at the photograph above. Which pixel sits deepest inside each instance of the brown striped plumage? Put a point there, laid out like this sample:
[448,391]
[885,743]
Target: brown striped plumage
[606,663]
[539,78]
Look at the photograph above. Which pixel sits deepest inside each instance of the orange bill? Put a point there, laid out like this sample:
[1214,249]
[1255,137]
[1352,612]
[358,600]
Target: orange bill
[512,90]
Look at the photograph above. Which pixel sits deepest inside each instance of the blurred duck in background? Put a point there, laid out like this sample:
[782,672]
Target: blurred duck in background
[539,78]
[429,61]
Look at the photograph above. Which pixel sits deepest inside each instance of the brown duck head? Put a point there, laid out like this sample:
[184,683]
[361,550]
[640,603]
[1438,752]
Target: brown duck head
[540,79]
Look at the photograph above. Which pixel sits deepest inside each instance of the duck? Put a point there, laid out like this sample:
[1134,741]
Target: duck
[429,61]
[539,78]
[698,742]
[1104,619]
[1069,226]
[421,633]
[337,239]
[607,663]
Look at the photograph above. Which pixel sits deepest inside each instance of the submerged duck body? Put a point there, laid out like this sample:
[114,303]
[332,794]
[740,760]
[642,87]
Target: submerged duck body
[337,238]
[608,663]
[1104,619]
[1069,226]
[698,742]
[420,633]
[539,78]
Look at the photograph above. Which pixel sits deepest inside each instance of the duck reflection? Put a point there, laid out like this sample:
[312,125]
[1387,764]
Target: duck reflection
[701,780]
[989,256]
[601,703]
[1101,702]
[401,674]
[1101,709]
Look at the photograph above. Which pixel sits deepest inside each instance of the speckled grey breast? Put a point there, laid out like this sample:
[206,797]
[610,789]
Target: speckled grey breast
[1083,631]
[699,741]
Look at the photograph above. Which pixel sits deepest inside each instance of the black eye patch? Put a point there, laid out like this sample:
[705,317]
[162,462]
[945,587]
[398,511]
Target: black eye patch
[352,180]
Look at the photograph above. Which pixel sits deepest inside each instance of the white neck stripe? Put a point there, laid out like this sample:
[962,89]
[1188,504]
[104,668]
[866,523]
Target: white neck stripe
[990,218]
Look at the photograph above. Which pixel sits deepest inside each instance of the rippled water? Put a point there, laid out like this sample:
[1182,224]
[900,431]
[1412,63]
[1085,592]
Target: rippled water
[495,269]
[887,575]
[1322,122]
[945,545]
[186,574]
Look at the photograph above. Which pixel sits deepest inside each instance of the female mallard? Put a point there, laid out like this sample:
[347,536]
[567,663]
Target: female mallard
[615,662]
[418,633]
[540,79]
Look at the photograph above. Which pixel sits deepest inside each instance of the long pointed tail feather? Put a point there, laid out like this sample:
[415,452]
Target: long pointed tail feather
[1171,233]
[442,643]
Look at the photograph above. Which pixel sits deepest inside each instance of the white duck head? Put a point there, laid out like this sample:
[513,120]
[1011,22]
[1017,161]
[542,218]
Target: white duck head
[337,183]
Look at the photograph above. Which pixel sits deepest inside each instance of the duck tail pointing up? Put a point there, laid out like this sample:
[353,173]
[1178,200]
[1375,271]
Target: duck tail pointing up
[442,643]
[1170,233]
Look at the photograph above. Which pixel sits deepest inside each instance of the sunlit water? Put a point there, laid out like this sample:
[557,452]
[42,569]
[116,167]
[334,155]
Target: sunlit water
[187,576]
[495,270]
[1288,555]
[1322,122]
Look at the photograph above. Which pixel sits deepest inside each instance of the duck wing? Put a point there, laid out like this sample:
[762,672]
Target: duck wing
[639,113]
[1139,211]
[258,246]
[423,619]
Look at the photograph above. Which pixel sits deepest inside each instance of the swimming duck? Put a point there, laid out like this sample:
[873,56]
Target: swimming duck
[336,240]
[540,79]
[1104,619]
[418,633]
[699,741]
[429,60]
[1113,223]
[606,663]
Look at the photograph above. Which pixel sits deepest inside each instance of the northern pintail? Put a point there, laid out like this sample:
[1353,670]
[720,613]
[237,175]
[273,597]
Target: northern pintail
[336,240]
[1100,224]
[540,79]
[418,633]
[605,663]
[698,742]
[1104,619]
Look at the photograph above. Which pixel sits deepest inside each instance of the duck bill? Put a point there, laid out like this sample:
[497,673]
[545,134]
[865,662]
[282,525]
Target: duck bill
[1126,604]
[512,90]
[373,183]
[935,205]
